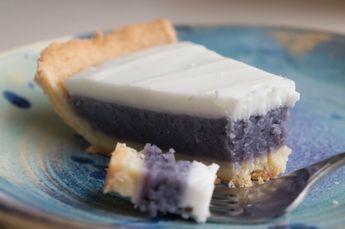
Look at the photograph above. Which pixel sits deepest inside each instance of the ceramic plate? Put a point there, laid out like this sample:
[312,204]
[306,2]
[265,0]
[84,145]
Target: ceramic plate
[47,179]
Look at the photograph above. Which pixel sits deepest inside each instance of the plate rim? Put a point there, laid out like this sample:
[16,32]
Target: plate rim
[40,44]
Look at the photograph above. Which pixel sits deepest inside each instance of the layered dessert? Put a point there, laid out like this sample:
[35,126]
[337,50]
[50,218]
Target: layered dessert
[140,85]
[157,183]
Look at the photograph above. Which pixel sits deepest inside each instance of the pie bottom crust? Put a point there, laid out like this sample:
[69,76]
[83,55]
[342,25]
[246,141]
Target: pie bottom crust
[250,172]
[238,174]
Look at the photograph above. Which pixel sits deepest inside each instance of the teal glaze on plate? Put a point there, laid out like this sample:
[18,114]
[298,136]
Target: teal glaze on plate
[47,177]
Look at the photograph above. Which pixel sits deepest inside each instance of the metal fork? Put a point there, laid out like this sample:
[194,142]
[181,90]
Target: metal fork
[274,198]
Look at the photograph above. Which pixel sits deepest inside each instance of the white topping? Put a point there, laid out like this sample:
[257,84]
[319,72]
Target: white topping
[199,190]
[185,78]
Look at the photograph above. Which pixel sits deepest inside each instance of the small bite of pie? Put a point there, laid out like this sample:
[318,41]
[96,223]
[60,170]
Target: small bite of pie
[157,183]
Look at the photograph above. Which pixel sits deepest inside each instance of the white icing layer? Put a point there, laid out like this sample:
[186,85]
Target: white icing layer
[199,190]
[185,78]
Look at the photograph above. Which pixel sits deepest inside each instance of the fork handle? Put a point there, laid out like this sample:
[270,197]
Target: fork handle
[324,167]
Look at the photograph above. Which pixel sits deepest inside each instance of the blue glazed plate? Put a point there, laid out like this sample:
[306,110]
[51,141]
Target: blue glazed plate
[46,178]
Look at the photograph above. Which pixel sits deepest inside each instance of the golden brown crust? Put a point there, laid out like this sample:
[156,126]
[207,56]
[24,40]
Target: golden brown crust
[66,58]
[125,172]
[126,160]
[258,170]
[60,60]
[245,174]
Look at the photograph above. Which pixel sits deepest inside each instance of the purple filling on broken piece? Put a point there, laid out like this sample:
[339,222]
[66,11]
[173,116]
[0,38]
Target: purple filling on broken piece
[214,138]
[164,183]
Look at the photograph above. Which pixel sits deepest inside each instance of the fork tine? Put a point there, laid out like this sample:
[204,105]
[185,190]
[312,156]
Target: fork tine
[229,211]
[224,196]
[222,202]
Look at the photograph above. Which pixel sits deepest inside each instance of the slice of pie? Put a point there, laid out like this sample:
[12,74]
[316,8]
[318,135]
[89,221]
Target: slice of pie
[155,182]
[138,84]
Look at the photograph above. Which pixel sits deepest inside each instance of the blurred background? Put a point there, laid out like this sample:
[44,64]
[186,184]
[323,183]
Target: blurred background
[27,21]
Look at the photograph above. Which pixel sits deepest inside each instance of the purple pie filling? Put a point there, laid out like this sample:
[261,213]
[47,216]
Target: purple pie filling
[217,138]
[165,182]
